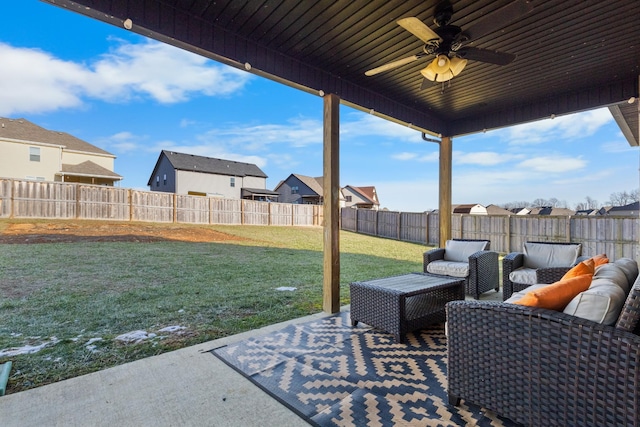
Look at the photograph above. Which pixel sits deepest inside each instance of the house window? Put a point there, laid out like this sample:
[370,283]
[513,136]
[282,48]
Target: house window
[164,179]
[34,154]
[294,189]
[232,182]
[348,198]
[158,181]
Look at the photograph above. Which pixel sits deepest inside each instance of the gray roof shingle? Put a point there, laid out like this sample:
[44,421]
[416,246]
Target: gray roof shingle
[191,162]
[24,130]
[89,168]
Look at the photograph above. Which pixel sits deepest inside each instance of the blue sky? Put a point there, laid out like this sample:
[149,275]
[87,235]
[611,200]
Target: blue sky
[133,97]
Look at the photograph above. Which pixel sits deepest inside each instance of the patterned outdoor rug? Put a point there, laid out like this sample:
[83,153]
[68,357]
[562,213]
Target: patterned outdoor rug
[333,374]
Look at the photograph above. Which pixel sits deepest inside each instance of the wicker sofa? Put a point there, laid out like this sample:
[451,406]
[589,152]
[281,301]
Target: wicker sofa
[470,259]
[539,262]
[542,367]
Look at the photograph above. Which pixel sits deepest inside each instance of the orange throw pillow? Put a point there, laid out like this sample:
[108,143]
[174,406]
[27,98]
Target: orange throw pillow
[600,259]
[585,267]
[557,295]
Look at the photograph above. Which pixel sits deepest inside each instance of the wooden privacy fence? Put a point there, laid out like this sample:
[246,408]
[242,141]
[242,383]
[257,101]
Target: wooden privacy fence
[57,200]
[616,236]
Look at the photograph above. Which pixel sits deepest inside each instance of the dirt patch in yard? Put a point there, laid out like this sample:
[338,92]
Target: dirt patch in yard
[91,231]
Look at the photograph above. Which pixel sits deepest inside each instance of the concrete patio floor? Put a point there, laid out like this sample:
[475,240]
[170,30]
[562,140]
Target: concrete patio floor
[187,387]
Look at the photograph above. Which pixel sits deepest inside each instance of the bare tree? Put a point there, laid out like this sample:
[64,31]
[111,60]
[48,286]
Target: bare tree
[512,205]
[622,198]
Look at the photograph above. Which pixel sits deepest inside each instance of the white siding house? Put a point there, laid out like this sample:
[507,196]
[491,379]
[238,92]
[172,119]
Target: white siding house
[361,197]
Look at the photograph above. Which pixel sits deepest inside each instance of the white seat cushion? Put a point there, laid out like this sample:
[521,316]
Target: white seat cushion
[540,255]
[614,274]
[524,275]
[629,268]
[601,303]
[460,250]
[448,268]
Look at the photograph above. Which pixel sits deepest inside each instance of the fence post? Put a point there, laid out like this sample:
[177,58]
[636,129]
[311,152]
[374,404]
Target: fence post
[399,228]
[241,212]
[175,208]
[11,199]
[130,202]
[426,227]
[508,235]
[77,186]
[375,230]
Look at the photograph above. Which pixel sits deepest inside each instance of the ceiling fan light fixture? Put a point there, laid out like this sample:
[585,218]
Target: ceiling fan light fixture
[444,77]
[437,72]
[429,73]
[457,65]
[441,64]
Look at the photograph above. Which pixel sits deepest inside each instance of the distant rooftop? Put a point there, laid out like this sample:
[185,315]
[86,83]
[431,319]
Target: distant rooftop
[24,130]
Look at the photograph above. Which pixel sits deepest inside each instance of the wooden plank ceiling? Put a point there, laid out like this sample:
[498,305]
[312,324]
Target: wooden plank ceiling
[572,55]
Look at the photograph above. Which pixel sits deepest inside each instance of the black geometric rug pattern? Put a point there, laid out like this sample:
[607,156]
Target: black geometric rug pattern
[333,374]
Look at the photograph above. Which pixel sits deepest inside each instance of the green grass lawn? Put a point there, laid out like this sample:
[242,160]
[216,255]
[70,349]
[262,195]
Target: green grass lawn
[76,298]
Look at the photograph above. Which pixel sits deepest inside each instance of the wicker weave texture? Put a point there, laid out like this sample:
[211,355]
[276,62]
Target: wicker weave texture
[516,260]
[545,368]
[483,269]
[399,309]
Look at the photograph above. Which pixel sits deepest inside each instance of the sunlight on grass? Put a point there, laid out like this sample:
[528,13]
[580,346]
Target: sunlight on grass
[79,297]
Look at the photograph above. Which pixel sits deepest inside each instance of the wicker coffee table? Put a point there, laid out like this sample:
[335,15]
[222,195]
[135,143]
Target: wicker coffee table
[402,304]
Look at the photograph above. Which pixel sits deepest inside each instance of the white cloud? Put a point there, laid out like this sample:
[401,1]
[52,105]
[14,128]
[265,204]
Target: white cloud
[297,132]
[163,72]
[122,142]
[483,158]
[551,164]
[360,125]
[34,81]
[569,127]
[404,156]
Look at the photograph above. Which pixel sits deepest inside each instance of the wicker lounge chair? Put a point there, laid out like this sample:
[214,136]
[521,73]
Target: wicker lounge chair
[521,262]
[545,368]
[473,261]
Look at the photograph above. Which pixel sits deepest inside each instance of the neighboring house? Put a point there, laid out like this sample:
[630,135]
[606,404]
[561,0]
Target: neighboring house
[205,176]
[592,212]
[520,211]
[473,209]
[497,210]
[632,209]
[548,210]
[300,189]
[361,197]
[31,152]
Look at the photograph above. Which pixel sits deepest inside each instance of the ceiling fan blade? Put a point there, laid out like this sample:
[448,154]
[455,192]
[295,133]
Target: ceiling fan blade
[393,64]
[418,29]
[499,18]
[426,84]
[486,55]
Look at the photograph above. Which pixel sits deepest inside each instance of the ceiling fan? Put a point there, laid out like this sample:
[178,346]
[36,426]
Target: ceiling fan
[448,43]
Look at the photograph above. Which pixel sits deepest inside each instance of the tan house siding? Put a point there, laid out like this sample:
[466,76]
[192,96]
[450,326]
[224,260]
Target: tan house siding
[28,151]
[75,158]
[15,160]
